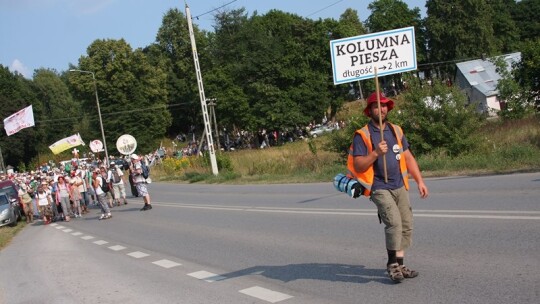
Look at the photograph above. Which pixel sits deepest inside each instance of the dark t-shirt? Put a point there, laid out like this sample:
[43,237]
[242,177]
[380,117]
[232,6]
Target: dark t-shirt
[395,180]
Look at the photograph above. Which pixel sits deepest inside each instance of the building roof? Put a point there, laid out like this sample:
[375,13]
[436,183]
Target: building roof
[482,74]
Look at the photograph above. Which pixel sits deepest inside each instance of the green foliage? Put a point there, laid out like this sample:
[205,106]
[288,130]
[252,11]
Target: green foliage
[517,105]
[459,29]
[132,93]
[436,118]
[16,93]
[527,72]
[341,140]
[394,14]
[525,14]
[312,147]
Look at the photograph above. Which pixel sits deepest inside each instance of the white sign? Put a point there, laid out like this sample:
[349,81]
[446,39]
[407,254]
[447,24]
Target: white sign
[96,146]
[355,58]
[126,144]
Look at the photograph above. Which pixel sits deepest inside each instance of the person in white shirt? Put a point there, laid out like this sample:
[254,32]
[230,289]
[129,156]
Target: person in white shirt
[98,181]
[135,169]
[116,178]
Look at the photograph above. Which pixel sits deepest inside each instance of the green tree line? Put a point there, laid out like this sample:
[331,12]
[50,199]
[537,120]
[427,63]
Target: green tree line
[268,71]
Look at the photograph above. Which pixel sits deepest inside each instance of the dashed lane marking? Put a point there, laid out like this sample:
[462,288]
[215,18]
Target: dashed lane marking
[117,248]
[100,242]
[138,254]
[87,237]
[76,233]
[265,294]
[206,276]
[67,230]
[59,227]
[166,263]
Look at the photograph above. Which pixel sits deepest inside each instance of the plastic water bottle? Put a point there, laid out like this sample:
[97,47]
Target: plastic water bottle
[347,185]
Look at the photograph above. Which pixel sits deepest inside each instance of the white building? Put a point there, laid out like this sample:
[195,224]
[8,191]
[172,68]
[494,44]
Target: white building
[479,79]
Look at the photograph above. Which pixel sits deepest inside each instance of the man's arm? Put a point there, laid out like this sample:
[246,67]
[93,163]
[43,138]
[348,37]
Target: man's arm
[362,163]
[414,171]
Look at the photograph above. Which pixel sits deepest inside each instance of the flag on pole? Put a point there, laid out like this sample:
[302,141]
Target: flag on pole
[66,143]
[20,120]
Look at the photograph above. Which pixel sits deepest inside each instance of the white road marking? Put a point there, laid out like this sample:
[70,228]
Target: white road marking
[206,276]
[117,248]
[138,254]
[59,227]
[87,237]
[67,230]
[54,224]
[473,214]
[166,263]
[265,294]
[76,233]
[100,242]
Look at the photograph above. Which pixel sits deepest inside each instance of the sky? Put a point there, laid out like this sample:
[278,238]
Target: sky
[54,33]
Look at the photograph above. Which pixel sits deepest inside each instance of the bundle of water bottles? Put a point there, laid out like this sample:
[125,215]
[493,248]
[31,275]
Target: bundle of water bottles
[348,185]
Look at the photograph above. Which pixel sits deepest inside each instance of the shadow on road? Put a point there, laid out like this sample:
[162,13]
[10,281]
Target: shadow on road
[313,271]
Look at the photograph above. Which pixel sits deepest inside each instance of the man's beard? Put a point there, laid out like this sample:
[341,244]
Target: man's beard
[376,118]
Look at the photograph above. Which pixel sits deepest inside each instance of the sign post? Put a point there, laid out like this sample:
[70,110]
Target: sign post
[363,57]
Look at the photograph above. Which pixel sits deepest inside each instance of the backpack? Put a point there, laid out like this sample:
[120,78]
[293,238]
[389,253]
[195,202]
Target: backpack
[145,169]
[115,176]
[104,185]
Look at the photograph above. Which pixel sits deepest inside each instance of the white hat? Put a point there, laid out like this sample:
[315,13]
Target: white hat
[134,156]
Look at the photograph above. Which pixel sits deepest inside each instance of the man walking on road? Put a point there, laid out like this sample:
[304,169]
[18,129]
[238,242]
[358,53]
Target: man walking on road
[388,190]
[135,169]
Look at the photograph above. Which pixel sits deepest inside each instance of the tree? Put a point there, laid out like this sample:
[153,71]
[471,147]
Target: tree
[526,15]
[172,51]
[394,14]
[132,93]
[527,72]
[459,30]
[16,93]
[60,115]
[436,118]
[504,27]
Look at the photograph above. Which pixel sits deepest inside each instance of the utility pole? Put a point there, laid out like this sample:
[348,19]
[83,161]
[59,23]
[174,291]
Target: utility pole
[212,105]
[3,168]
[207,127]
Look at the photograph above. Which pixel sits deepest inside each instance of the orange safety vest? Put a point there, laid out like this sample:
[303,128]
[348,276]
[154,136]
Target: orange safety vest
[366,178]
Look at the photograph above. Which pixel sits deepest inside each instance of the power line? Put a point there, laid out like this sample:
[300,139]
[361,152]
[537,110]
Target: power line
[64,121]
[197,17]
[324,8]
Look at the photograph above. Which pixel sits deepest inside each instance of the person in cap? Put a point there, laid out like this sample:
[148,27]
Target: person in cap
[135,169]
[388,190]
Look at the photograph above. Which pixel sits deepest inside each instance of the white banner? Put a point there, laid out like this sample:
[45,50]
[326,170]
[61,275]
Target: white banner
[20,120]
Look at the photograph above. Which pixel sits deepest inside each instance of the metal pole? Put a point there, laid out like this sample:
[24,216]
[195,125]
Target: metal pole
[106,162]
[207,127]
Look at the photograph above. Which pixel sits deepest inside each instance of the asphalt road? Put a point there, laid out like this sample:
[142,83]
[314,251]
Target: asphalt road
[476,241]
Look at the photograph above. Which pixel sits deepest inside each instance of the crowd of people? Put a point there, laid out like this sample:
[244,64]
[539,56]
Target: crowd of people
[67,191]
[230,140]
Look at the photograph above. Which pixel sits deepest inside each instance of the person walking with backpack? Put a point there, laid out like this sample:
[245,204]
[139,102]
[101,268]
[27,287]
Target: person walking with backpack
[115,175]
[383,168]
[100,188]
[138,170]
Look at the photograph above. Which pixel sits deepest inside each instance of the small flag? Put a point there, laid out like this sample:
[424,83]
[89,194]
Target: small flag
[20,120]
